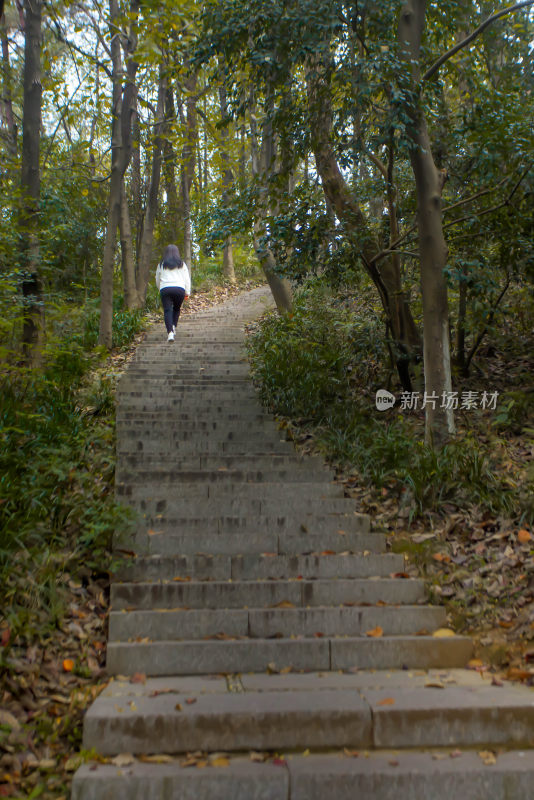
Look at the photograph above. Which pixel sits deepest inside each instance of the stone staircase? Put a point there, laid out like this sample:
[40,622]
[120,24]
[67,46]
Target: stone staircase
[248,597]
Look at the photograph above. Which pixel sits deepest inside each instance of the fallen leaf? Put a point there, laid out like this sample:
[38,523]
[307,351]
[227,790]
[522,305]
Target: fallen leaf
[351,753]
[488,758]
[515,674]
[523,536]
[259,758]
[387,701]
[191,700]
[375,633]
[220,762]
[443,633]
[123,760]
[163,758]
[475,663]
[138,677]
[9,719]
[284,604]
[455,754]
[68,664]
[189,762]
[434,685]
[178,707]
[47,763]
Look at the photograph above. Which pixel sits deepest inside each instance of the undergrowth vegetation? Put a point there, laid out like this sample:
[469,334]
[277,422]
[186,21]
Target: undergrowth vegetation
[57,509]
[321,366]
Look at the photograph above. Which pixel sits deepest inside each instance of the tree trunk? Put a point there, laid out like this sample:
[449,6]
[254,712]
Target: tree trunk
[121,150]
[172,206]
[227,182]
[32,290]
[262,165]
[189,122]
[149,220]
[439,419]
[385,274]
[135,180]
[131,299]
[6,103]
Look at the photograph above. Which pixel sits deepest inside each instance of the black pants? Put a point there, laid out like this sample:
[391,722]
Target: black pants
[172,298]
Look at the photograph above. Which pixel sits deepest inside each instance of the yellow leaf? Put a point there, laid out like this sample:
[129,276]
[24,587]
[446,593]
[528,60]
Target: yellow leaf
[443,633]
[523,536]
[220,762]
[475,663]
[68,664]
[375,633]
[488,757]
[156,759]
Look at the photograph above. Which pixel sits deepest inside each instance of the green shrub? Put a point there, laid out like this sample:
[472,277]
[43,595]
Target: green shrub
[322,364]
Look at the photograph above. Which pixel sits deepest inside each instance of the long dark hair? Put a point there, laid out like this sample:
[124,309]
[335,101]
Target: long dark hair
[171,257]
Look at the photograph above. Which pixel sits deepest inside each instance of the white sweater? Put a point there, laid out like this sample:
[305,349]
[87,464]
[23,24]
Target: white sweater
[166,278]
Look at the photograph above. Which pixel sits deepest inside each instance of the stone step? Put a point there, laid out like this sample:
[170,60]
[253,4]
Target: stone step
[200,542]
[280,493]
[140,408]
[221,462]
[189,368]
[303,526]
[124,717]
[190,385]
[260,655]
[297,593]
[162,476]
[176,450]
[264,623]
[381,775]
[258,567]
[183,432]
[193,418]
[242,505]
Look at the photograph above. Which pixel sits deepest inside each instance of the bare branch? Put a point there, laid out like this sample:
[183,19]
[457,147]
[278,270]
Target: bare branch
[468,39]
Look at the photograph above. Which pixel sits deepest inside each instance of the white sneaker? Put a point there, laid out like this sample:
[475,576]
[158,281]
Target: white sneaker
[170,337]
[174,328]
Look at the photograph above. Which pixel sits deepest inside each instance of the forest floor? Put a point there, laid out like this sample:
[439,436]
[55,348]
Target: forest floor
[480,565]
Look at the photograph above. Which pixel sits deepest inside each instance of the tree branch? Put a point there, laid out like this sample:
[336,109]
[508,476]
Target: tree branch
[468,39]
[481,335]
[505,202]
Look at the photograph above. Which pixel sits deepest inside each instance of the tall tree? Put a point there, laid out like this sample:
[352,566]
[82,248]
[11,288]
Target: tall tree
[121,149]
[32,286]
[227,182]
